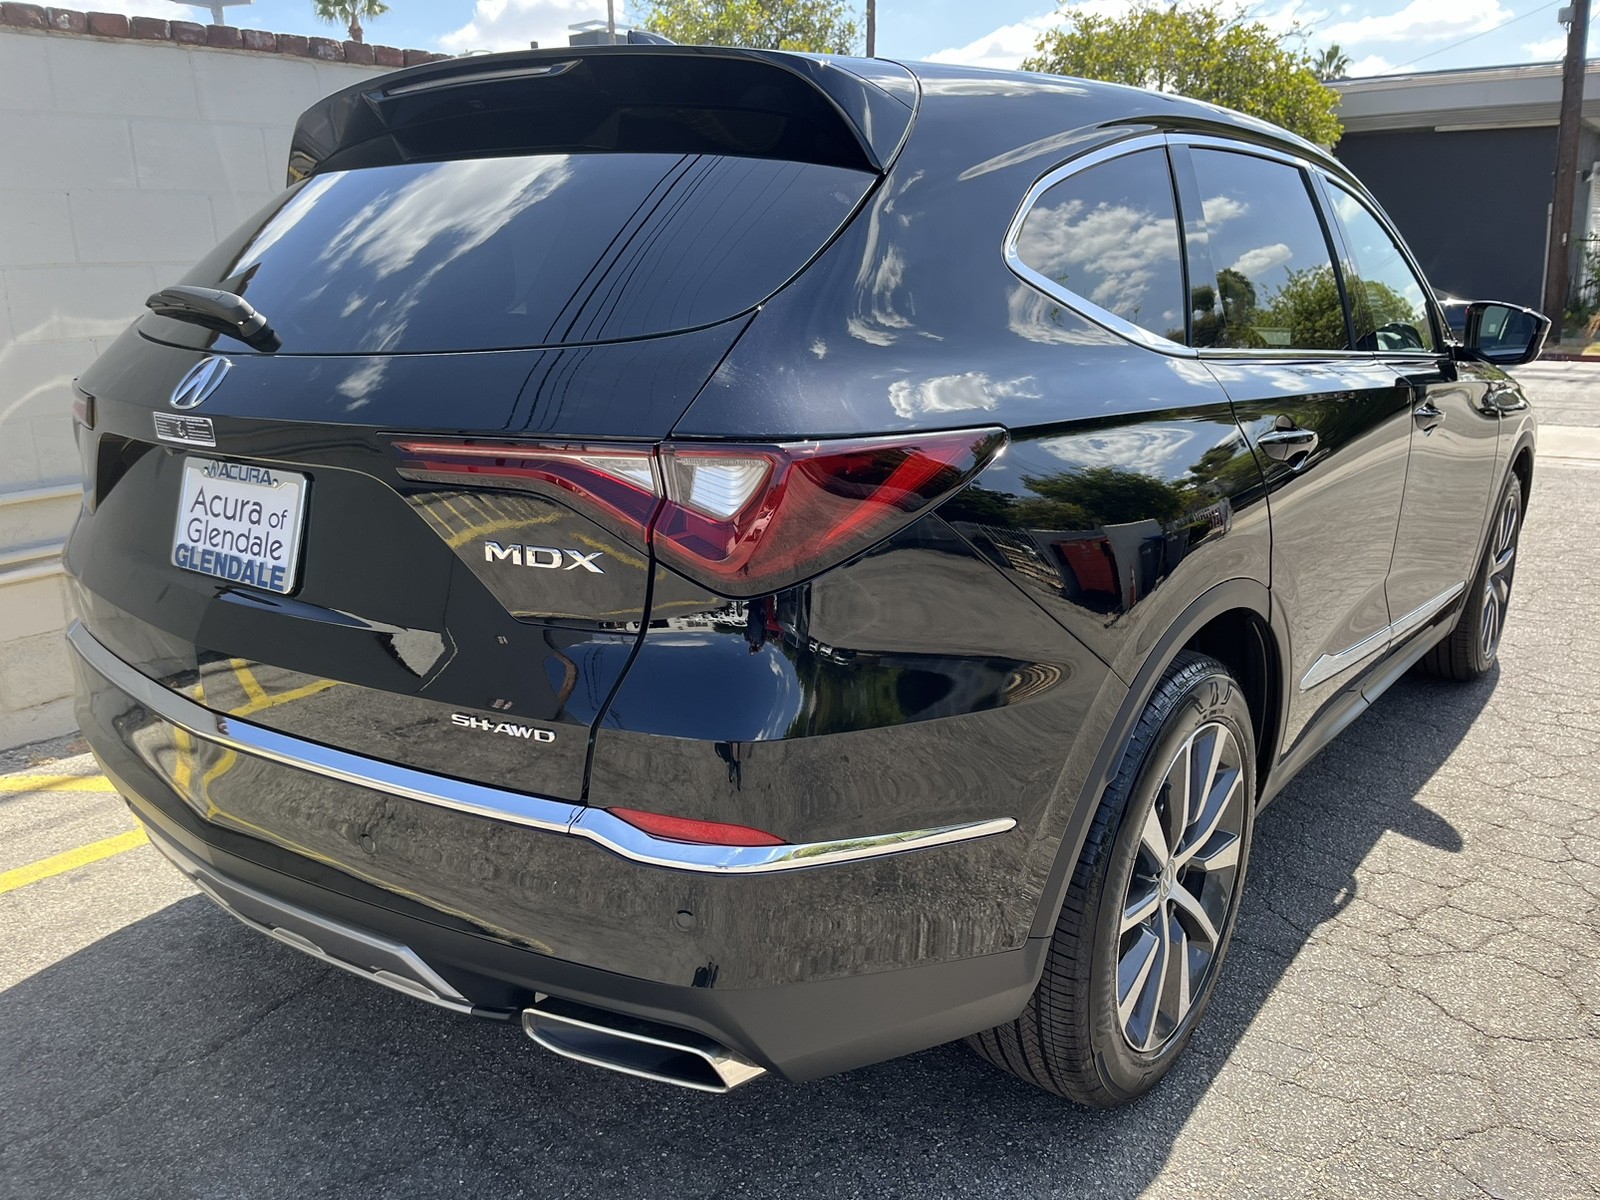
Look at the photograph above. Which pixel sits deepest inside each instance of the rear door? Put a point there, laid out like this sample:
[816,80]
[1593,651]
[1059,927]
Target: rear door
[1454,430]
[1330,428]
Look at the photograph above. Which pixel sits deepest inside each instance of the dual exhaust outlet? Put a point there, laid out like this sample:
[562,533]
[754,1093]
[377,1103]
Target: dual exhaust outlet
[633,1046]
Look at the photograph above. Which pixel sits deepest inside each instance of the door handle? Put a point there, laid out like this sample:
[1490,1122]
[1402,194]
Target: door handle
[1428,416]
[1288,444]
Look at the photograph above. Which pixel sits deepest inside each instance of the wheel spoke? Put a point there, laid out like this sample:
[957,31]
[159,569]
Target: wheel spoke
[1180,795]
[1223,856]
[1139,909]
[1178,993]
[1133,980]
[1217,802]
[1198,920]
[1154,839]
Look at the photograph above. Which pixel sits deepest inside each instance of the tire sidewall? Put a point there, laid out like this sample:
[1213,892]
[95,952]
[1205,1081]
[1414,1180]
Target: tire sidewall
[1209,694]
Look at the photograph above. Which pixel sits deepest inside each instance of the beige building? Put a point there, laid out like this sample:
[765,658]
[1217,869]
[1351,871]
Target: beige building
[129,149]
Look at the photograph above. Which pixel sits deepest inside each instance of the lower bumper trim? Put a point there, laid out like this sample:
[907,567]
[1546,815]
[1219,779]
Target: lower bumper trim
[381,960]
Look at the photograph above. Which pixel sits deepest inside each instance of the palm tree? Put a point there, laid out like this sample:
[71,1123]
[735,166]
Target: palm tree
[349,12]
[1331,63]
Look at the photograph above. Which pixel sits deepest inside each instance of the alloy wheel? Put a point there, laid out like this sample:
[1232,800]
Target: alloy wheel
[1182,888]
[1501,569]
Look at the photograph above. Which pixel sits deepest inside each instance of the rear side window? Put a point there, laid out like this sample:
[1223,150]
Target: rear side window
[1109,234]
[1388,303]
[545,249]
[1275,286]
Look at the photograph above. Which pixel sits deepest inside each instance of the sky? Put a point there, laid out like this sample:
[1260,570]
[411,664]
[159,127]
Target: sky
[1380,38]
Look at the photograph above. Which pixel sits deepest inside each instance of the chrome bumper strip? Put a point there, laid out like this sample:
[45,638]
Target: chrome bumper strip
[552,816]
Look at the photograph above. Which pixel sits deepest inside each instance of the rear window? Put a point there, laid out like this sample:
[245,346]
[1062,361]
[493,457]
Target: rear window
[495,253]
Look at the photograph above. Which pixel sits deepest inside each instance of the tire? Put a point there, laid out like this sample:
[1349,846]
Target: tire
[1469,650]
[1073,1038]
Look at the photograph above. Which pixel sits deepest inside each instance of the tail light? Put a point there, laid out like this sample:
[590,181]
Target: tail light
[740,520]
[82,408]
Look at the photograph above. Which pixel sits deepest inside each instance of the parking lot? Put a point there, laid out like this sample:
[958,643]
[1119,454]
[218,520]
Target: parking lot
[1411,1007]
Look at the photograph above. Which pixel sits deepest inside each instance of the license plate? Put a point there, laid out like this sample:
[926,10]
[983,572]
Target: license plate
[241,523]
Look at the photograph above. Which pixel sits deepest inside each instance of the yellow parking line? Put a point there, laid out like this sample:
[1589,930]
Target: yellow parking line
[70,860]
[55,783]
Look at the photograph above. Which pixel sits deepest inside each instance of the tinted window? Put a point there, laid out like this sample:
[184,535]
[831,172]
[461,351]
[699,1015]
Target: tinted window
[1388,303]
[1275,287]
[1110,235]
[499,252]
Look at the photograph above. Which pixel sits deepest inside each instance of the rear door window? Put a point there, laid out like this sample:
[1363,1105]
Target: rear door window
[1109,234]
[1275,287]
[549,249]
[1388,302]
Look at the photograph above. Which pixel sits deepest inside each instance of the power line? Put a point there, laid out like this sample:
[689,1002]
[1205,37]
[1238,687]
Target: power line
[1483,33]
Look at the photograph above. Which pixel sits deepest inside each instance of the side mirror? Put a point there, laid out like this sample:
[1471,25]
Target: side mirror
[1504,334]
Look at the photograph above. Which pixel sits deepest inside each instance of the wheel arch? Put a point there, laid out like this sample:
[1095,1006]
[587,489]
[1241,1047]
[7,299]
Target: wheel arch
[1235,618]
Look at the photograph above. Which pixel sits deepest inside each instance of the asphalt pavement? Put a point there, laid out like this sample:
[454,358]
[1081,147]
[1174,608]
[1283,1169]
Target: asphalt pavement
[1411,1006]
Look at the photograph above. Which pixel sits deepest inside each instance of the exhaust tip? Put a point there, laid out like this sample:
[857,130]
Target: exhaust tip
[633,1046]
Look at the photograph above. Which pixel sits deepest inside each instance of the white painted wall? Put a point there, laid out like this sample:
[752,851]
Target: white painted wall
[124,161]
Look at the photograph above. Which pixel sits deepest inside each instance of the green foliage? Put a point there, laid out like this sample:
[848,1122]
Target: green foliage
[349,13]
[816,26]
[1308,305]
[1203,52]
[1331,63]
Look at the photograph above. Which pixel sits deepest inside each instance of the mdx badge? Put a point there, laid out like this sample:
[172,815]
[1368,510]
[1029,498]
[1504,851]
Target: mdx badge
[200,381]
[510,729]
[547,557]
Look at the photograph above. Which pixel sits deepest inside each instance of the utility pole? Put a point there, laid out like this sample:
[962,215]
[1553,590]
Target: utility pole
[872,28]
[611,25]
[1559,264]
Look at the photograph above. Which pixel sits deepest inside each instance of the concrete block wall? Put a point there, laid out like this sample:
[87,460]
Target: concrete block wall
[127,156]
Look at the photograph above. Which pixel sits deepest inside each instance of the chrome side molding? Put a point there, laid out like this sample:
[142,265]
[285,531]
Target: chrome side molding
[644,1049]
[536,812]
[1329,665]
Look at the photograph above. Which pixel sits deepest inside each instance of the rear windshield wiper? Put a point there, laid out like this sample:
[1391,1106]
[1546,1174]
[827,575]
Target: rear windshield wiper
[219,310]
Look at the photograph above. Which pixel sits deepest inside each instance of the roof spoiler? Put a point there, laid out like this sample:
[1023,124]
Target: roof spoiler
[631,99]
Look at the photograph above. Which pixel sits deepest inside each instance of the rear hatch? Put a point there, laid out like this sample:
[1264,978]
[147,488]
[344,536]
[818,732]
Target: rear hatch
[481,261]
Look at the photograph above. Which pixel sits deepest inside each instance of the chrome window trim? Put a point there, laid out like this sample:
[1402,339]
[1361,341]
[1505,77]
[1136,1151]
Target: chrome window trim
[1136,333]
[499,804]
[1079,304]
[1329,665]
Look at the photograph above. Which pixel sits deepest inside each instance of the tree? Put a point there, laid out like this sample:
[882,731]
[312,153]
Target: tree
[1331,63]
[1202,52]
[818,26]
[349,13]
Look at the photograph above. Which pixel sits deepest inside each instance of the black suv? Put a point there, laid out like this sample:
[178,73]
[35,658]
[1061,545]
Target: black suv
[742,561]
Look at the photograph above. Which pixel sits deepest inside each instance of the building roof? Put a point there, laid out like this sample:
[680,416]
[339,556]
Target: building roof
[1470,98]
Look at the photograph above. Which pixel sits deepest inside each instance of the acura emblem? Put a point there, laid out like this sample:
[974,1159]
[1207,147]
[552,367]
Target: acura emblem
[200,382]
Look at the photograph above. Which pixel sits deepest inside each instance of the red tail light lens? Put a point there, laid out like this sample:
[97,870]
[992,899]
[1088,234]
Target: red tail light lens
[619,481]
[740,520]
[683,829]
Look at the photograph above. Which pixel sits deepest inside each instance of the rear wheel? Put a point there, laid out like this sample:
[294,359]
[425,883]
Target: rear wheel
[1151,906]
[1469,651]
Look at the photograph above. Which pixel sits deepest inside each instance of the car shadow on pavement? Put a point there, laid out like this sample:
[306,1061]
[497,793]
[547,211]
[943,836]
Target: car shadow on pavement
[185,1056]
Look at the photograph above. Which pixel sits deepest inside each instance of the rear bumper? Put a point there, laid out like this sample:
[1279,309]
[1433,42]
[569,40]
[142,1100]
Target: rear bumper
[806,972]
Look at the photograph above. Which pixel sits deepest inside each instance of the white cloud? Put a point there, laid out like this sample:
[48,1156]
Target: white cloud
[1547,48]
[1257,262]
[1371,64]
[1005,48]
[512,24]
[1419,21]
